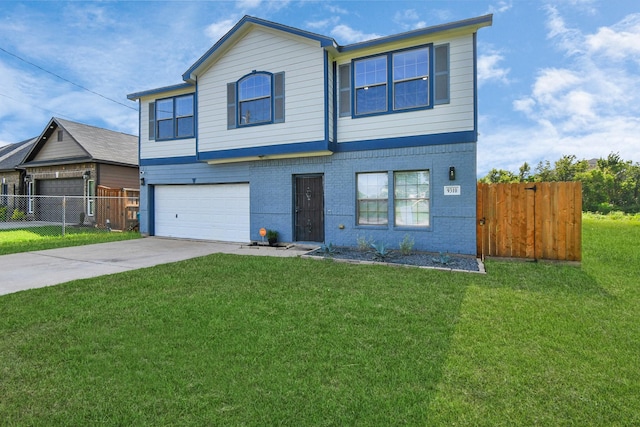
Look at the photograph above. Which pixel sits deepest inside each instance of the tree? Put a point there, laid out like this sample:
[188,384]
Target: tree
[544,172]
[567,167]
[524,174]
[614,184]
[496,176]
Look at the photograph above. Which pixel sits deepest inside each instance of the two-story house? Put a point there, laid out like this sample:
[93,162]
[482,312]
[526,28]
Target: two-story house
[279,128]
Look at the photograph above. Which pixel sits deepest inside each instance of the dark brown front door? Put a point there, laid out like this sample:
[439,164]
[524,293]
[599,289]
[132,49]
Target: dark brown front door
[309,209]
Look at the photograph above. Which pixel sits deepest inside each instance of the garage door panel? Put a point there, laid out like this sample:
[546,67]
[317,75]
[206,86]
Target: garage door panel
[50,208]
[210,212]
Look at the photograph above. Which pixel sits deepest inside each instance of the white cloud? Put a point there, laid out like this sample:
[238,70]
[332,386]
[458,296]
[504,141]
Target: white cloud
[489,69]
[336,9]
[345,35]
[248,4]
[263,5]
[218,29]
[500,7]
[567,39]
[408,19]
[618,42]
[579,6]
[589,107]
[322,24]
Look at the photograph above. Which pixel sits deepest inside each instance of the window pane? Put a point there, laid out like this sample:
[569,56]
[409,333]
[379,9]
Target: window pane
[411,192]
[372,198]
[165,129]
[185,127]
[371,99]
[411,93]
[412,212]
[255,111]
[411,64]
[257,86]
[184,106]
[371,71]
[372,212]
[164,109]
[373,185]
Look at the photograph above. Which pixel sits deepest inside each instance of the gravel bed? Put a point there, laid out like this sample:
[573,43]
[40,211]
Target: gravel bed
[418,259]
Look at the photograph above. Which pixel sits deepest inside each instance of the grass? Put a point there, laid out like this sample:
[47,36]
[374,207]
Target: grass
[49,237]
[229,340]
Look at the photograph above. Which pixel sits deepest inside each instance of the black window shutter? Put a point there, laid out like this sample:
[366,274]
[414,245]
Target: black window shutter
[231,105]
[152,121]
[278,98]
[344,100]
[442,74]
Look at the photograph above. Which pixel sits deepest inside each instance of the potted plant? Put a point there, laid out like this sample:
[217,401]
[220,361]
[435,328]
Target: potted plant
[272,237]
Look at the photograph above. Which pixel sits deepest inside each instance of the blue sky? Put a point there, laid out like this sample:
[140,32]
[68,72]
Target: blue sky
[555,77]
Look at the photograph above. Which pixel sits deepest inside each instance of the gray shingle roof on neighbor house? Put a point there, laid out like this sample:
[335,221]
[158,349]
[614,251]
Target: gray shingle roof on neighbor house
[12,155]
[101,145]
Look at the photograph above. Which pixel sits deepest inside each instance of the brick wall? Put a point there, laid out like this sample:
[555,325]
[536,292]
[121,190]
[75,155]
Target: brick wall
[452,222]
[63,171]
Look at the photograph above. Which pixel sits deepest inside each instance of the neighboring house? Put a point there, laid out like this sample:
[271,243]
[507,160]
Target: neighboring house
[72,159]
[11,176]
[280,128]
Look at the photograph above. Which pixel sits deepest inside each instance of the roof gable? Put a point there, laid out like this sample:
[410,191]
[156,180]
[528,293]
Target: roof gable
[86,143]
[13,154]
[241,28]
[466,25]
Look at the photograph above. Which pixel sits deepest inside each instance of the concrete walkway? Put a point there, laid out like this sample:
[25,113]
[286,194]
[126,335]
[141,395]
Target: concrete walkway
[30,270]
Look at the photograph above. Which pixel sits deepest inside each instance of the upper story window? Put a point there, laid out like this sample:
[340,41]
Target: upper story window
[172,118]
[410,79]
[395,81]
[371,85]
[255,99]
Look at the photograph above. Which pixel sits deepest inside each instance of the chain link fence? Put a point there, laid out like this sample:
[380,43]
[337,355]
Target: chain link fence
[58,214]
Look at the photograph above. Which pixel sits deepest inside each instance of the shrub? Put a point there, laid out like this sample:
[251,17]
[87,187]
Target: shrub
[3,213]
[364,243]
[380,251]
[406,246]
[18,215]
[328,250]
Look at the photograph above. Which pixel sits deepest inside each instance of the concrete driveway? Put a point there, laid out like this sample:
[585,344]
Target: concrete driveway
[30,270]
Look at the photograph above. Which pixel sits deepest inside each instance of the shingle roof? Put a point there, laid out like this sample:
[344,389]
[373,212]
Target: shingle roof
[13,154]
[101,145]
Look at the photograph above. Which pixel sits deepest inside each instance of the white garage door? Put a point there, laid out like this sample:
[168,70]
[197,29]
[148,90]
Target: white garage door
[209,212]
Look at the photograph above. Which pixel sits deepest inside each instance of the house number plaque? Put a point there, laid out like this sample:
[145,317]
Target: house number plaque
[451,190]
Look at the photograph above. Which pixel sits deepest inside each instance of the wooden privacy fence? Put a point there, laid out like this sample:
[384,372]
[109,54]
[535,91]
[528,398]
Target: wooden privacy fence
[541,220]
[118,205]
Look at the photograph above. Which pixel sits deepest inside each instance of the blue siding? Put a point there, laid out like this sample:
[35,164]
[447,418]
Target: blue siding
[453,218]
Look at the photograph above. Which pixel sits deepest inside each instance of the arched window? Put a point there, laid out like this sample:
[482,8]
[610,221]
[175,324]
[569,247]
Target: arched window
[254,98]
[257,98]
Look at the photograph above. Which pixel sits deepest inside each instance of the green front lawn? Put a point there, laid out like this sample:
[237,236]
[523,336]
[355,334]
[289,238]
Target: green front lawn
[50,237]
[230,340]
